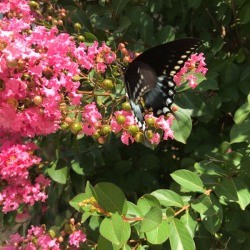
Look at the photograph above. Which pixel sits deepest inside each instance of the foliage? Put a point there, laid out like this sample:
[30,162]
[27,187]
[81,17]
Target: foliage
[188,193]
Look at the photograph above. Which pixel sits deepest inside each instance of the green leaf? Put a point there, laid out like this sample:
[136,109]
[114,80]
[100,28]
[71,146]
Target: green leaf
[179,237]
[209,168]
[203,205]
[192,103]
[145,26]
[234,190]
[146,202]
[160,234]
[58,175]
[124,23]
[169,214]
[133,211]
[213,222]
[245,13]
[77,199]
[164,35]
[182,125]
[89,38]
[168,198]
[188,180]
[89,189]
[242,113]
[118,6]
[115,229]
[76,167]
[111,198]
[104,244]
[190,222]
[151,220]
[240,132]
[85,216]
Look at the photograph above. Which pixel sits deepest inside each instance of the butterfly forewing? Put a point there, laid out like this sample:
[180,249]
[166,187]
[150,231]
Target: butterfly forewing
[149,78]
[165,57]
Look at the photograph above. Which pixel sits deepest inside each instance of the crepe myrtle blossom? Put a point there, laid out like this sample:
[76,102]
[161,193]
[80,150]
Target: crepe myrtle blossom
[91,119]
[37,238]
[76,238]
[124,122]
[195,64]
[37,72]
[19,12]
[25,192]
[15,162]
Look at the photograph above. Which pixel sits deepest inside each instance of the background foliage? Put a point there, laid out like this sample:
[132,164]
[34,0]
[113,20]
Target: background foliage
[191,194]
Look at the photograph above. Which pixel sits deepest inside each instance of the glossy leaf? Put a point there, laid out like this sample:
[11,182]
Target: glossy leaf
[151,220]
[242,113]
[203,205]
[168,198]
[182,125]
[77,199]
[189,180]
[234,190]
[115,229]
[190,222]
[240,132]
[179,237]
[111,198]
[160,234]
[146,202]
[58,175]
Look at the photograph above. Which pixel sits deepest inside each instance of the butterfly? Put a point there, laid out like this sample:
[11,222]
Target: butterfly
[149,77]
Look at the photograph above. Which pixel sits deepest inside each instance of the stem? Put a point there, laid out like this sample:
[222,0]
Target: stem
[92,93]
[181,210]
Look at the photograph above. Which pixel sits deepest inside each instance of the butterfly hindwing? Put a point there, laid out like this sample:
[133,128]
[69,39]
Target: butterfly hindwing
[149,78]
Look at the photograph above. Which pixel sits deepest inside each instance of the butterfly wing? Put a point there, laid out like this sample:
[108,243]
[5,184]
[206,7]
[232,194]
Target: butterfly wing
[149,78]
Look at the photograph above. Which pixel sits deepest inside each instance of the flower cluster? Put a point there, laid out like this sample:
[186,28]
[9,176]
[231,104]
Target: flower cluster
[91,119]
[94,56]
[15,163]
[38,238]
[37,74]
[18,11]
[195,64]
[76,238]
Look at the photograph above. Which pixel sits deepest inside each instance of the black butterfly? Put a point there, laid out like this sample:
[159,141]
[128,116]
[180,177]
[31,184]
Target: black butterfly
[149,77]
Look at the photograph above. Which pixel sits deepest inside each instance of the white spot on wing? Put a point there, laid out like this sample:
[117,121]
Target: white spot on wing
[159,112]
[170,92]
[161,78]
[168,101]
[165,110]
[170,84]
[172,73]
[176,67]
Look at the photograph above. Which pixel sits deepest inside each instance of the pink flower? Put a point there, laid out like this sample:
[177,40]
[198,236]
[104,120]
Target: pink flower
[15,239]
[155,139]
[192,81]
[127,138]
[165,125]
[195,64]
[101,67]
[15,162]
[91,117]
[76,238]
[129,120]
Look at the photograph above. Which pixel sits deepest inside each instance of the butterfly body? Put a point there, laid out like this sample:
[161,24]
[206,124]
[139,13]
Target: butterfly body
[149,78]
